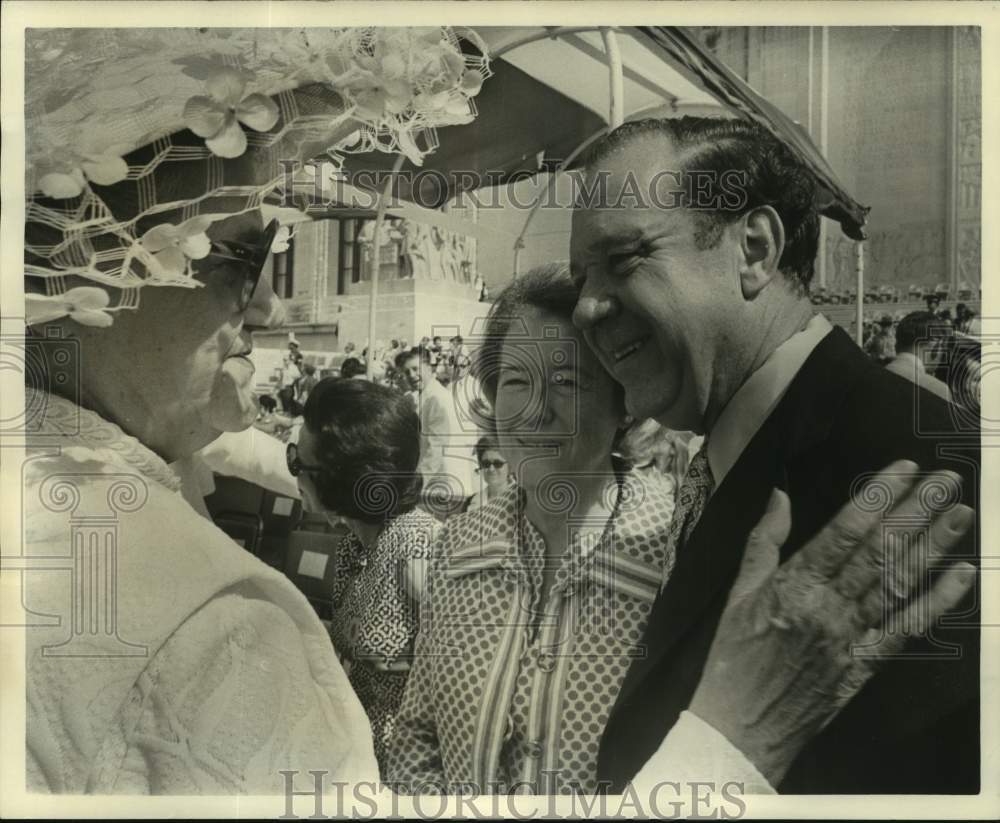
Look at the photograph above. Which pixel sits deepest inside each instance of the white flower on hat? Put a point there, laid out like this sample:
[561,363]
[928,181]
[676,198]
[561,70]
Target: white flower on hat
[281,240]
[65,176]
[84,304]
[217,117]
[173,246]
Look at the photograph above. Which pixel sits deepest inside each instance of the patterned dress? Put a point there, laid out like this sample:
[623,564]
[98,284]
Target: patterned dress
[374,621]
[507,694]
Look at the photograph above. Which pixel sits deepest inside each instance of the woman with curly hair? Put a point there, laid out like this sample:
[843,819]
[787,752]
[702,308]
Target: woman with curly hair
[356,461]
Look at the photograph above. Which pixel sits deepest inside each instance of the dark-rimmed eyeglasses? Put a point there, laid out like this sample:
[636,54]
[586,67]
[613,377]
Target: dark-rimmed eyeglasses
[296,466]
[493,464]
[248,257]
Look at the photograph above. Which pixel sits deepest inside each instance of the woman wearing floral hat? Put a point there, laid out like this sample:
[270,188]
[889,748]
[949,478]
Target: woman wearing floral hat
[170,661]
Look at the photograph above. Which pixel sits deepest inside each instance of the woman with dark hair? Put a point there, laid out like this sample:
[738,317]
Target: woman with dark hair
[356,461]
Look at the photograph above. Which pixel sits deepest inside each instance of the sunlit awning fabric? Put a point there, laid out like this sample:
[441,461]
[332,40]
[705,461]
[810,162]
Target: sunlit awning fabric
[833,201]
[547,96]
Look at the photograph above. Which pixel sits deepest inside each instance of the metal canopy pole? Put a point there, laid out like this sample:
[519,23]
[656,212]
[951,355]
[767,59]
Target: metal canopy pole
[616,78]
[376,258]
[859,271]
[616,116]
[542,195]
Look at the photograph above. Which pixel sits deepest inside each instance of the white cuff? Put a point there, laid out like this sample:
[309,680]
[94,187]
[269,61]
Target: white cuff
[693,751]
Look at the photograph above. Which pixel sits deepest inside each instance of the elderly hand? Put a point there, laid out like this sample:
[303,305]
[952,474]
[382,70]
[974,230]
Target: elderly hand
[781,664]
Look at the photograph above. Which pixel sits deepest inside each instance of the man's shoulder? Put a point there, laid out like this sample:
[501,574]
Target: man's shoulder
[841,424]
[841,383]
[844,415]
[882,398]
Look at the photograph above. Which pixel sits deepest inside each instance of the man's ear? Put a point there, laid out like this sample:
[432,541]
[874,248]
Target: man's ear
[762,243]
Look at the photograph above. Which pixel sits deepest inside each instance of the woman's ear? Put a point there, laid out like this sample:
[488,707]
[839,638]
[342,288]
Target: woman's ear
[762,244]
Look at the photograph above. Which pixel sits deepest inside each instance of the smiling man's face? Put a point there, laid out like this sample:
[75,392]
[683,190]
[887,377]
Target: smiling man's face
[658,311]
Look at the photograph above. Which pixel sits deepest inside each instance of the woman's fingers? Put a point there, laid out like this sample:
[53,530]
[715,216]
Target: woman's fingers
[866,567]
[762,552]
[947,593]
[840,539]
[905,573]
[919,616]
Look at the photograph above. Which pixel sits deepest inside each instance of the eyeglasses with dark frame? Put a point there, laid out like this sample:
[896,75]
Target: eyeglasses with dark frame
[250,256]
[492,464]
[296,466]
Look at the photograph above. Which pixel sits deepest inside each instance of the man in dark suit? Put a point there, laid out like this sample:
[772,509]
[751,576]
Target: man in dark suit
[694,271]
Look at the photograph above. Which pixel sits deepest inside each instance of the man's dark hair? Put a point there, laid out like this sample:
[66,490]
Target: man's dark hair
[268,403]
[772,175]
[915,327]
[368,439]
[352,367]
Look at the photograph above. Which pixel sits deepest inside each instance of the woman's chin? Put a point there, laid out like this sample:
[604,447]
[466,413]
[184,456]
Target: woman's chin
[234,416]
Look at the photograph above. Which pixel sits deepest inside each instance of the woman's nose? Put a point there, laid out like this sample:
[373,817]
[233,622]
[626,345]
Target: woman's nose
[266,311]
[544,416]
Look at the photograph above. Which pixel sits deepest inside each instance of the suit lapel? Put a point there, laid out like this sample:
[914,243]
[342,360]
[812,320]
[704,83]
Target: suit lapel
[708,563]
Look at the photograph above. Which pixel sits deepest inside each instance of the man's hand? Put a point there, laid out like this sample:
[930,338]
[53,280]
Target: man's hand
[781,665]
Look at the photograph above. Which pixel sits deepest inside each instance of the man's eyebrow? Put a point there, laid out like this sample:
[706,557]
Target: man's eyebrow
[617,238]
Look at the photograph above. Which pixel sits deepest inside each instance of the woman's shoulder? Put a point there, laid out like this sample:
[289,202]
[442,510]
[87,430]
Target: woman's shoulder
[494,520]
[409,533]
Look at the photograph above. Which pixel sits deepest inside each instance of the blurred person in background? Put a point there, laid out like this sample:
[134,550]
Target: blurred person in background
[916,345]
[353,367]
[441,434]
[356,462]
[305,384]
[493,473]
[880,347]
[288,376]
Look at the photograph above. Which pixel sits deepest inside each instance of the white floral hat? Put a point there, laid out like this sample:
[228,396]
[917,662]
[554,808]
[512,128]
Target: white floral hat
[139,139]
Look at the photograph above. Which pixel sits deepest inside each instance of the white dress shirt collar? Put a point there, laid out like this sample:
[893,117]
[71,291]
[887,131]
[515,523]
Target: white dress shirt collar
[757,397]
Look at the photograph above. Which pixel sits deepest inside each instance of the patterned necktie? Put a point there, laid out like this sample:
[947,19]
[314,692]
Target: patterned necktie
[694,493]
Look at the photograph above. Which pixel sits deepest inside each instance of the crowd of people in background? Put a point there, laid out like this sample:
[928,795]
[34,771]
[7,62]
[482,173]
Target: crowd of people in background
[936,349]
